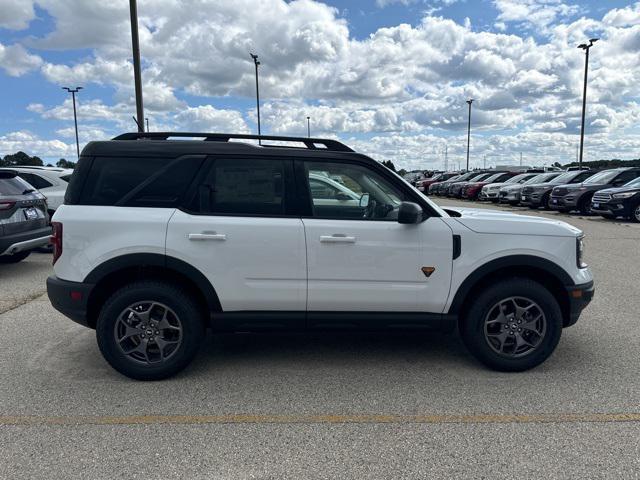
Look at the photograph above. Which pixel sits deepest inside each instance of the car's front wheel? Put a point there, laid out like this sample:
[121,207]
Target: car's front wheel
[513,325]
[150,330]
[635,216]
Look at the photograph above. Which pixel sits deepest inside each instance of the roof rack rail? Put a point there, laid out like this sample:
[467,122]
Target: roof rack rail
[310,143]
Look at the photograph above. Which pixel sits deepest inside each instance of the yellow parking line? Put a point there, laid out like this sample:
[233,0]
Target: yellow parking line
[317,419]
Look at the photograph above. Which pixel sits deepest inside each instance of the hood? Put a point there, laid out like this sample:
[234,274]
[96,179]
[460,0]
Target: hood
[622,189]
[583,186]
[512,188]
[494,185]
[498,222]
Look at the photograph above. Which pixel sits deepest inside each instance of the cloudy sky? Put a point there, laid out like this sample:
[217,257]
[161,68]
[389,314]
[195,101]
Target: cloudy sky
[388,76]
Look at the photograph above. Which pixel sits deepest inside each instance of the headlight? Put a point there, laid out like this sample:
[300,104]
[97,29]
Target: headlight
[624,195]
[580,252]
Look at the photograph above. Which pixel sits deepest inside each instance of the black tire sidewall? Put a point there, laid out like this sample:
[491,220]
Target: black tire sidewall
[175,298]
[15,258]
[472,325]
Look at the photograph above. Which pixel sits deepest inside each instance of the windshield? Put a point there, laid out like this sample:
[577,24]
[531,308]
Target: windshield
[542,178]
[517,178]
[633,183]
[493,177]
[603,177]
[564,178]
[480,177]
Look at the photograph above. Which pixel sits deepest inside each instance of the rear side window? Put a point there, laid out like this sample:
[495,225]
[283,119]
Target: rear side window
[10,186]
[36,180]
[139,182]
[242,187]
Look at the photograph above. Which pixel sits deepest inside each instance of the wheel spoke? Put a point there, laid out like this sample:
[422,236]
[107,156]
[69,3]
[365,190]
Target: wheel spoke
[520,341]
[164,323]
[140,348]
[130,332]
[501,337]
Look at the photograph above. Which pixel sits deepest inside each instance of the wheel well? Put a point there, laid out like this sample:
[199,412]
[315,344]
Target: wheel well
[546,279]
[119,278]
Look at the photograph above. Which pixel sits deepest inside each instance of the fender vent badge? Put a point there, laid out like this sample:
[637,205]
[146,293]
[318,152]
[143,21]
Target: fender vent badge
[428,271]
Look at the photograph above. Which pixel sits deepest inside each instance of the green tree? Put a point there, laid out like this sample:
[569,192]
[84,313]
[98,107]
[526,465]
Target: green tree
[20,158]
[63,163]
[389,164]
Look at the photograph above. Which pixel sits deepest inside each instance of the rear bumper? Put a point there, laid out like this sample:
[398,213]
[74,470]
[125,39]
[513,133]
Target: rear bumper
[70,298]
[24,241]
[579,297]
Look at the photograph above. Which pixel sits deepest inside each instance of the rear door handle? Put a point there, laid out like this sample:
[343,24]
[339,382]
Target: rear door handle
[207,236]
[337,238]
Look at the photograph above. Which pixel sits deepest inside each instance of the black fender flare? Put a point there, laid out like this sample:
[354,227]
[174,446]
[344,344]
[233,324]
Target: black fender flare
[510,261]
[141,260]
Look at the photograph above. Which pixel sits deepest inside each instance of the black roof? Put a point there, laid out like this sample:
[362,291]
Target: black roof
[173,144]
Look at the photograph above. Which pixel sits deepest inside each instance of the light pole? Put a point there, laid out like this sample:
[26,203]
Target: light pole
[309,127]
[470,101]
[586,48]
[73,92]
[257,63]
[147,121]
[137,77]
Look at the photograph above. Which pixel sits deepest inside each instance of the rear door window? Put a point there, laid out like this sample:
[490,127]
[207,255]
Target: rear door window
[36,180]
[244,187]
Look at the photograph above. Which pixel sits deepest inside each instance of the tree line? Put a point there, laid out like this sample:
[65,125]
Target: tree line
[22,159]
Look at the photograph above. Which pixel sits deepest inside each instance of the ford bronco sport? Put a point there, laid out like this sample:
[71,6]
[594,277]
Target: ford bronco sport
[160,239]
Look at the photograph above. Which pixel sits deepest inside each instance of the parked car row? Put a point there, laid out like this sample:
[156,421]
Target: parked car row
[610,193]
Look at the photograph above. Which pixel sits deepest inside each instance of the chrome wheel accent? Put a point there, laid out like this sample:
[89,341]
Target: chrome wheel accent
[515,327]
[148,332]
[636,213]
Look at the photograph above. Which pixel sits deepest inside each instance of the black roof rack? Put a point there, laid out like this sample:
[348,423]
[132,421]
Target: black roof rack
[310,143]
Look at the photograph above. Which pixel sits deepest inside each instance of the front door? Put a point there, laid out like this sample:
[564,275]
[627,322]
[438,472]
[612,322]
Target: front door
[360,259]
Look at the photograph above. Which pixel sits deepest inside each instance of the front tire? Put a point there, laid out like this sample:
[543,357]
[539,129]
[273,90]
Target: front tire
[635,216]
[513,325]
[150,330]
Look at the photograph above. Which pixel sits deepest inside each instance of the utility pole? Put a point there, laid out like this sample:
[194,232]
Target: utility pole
[470,101]
[135,43]
[309,127]
[446,160]
[257,63]
[484,164]
[520,158]
[73,92]
[586,48]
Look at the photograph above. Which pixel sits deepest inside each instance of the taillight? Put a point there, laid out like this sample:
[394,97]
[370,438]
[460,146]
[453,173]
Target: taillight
[5,205]
[56,240]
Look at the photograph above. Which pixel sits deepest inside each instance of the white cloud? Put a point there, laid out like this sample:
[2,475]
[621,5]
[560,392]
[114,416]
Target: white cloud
[33,145]
[16,61]
[16,14]
[537,13]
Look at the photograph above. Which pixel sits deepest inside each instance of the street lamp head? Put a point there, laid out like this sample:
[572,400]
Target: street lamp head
[583,46]
[470,101]
[78,88]
[593,40]
[255,58]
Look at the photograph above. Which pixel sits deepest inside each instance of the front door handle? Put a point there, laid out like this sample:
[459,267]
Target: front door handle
[337,238]
[207,236]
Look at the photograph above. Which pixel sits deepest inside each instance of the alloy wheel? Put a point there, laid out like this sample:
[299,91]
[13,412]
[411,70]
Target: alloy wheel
[148,332]
[515,327]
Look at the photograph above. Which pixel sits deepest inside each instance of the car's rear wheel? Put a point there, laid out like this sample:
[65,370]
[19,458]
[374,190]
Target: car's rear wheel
[513,325]
[150,330]
[15,258]
[585,206]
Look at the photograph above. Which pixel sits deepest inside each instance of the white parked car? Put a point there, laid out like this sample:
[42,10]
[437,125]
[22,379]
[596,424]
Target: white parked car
[52,182]
[239,237]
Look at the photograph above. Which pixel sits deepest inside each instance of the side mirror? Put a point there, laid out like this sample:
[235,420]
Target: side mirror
[409,213]
[364,200]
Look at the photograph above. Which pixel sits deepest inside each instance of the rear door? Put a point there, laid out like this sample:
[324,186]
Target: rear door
[239,231]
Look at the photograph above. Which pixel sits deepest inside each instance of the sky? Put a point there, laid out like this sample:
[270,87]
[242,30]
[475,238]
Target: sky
[388,77]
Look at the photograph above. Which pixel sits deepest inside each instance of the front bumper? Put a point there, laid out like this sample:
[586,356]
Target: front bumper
[579,297]
[509,197]
[616,207]
[566,202]
[531,199]
[24,241]
[70,298]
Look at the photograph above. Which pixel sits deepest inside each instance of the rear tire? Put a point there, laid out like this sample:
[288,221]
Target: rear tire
[150,330]
[15,258]
[635,215]
[546,201]
[498,332]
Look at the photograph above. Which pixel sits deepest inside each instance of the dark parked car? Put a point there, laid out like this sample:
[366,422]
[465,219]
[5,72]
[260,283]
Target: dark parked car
[578,197]
[539,194]
[455,189]
[439,188]
[511,194]
[423,185]
[24,222]
[471,190]
[618,202]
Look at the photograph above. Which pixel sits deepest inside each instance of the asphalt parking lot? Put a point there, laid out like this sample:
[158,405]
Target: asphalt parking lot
[335,406]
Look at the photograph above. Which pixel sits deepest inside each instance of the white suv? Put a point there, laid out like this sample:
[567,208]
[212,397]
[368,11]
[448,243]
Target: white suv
[160,239]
